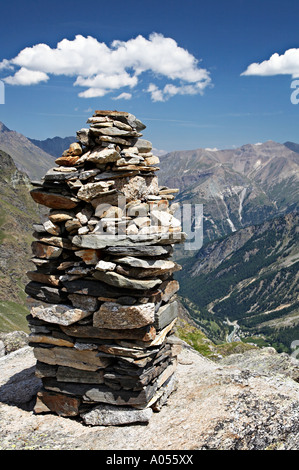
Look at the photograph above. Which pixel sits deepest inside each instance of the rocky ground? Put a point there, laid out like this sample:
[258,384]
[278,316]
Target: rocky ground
[246,401]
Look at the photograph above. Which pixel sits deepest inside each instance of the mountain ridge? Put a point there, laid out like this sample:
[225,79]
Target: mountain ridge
[54,146]
[28,158]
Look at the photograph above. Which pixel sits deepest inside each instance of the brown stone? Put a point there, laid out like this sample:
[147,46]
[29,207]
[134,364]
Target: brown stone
[111,114]
[169,288]
[54,241]
[52,200]
[152,160]
[72,224]
[89,256]
[48,279]
[46,339]
[45,251]
[161,205]
[52,228]
[63,405]
[68,160]
[168,191]
[75,149]
[60,216]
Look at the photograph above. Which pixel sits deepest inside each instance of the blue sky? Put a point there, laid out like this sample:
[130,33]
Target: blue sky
[186,85]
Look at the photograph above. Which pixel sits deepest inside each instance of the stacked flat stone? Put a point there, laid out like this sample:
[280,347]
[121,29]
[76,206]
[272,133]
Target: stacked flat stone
[102,296]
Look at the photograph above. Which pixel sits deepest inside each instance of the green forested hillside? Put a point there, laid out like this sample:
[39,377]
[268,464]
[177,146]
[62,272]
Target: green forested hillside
[255,284]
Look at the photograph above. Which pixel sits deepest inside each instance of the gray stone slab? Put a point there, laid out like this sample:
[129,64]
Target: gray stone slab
[109,415]
[146,251]
[165,315]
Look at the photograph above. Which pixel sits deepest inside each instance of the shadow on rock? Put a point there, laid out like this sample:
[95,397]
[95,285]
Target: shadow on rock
[21,389]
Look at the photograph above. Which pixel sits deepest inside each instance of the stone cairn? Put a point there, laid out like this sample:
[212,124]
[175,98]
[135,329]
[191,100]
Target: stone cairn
[102,297]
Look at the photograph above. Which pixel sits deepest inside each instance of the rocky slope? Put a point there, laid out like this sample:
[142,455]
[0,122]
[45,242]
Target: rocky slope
[233,404]
[237,187]
[17,214]
[28,158]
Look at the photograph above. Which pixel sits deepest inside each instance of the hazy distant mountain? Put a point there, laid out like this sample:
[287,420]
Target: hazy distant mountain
[54,146]
[28,157]
[237,187]
[292,146]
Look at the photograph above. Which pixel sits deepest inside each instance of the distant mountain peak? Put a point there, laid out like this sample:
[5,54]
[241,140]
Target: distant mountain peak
[3,128]
[292,146]
[54,146]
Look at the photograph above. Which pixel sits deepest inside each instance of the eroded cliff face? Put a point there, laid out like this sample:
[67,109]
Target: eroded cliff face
[248,401]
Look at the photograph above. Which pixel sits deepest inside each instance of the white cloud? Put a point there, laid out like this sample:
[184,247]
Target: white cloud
[101,69]
[26,77]
[285,64]
[93,93]
[156,94]
[5,65]
[171,90]
[123,96]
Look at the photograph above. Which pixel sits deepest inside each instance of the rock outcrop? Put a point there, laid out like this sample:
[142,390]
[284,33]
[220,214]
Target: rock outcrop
[216,406]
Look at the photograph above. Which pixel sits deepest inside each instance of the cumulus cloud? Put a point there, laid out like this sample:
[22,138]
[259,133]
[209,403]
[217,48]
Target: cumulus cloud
[26,77]
[101,69]
[285,64]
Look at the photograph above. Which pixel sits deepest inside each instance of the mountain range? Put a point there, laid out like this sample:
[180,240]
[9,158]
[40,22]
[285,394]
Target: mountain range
[237,187]
[244,278]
